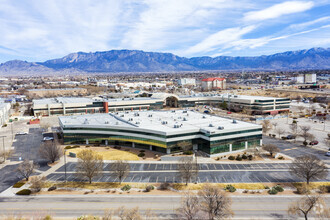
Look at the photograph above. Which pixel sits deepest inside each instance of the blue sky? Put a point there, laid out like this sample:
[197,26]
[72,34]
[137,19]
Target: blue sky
[37,30]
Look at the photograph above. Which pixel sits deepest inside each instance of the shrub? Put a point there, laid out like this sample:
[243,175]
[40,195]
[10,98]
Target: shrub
[18,185]
[107,148]
[37,183]
[244,157]
[280,158]
[24,192]
[266,187]
[324,189]
[126,187]
[250,157]
[71,147]
[189,152]
[231,158]
[164,186]
[142,151]
[141,154]
[274,135]
[272,191]
[88,146]
[149,188]
[278,188]
[76,146]
[52,188]
[230,188]
[239,158]
[302,189]
[67,147]
[117,147]
[305,143]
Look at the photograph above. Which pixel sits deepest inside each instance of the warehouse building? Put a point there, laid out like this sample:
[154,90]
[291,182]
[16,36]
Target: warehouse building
[162,131]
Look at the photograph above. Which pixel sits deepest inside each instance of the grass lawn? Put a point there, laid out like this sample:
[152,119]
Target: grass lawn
[108,153]
[100,185]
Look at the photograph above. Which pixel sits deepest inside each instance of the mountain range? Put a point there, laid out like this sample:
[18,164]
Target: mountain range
[140,61]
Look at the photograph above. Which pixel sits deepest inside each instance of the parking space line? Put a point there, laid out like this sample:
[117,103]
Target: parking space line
[157,179]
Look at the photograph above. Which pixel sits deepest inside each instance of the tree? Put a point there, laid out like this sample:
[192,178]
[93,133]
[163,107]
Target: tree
[44,125]
[224,105]
[120,169]
[271,148]
[274,124]
[304,132]
[128,214]
[280,131]
[184,145]
[294,130]
[90,164]
[306,205]
[215,203]
[308,167]
[266,126]
[26,168]
[190,207]
[188,169]
[51,151]
[37,182]
[301,108]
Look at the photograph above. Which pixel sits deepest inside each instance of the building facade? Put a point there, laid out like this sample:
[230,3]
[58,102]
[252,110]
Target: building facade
[187,81]
[213,83]
[4,112]
[252,104]
[162,131]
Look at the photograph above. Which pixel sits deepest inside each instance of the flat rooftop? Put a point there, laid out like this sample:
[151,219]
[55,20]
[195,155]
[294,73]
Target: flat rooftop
[62,100]
[165,122]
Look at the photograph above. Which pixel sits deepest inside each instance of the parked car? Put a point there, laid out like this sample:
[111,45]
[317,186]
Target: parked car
[290,137]
[228,113]
[21,133]
[313,142]
[327,154]
[48,139]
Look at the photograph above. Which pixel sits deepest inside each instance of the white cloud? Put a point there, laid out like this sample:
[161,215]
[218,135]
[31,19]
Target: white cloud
[309,23]
[221,38]
[278,10]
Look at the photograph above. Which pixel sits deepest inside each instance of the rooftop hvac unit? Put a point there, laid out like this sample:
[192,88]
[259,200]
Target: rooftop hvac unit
[117,123]
[163,122]
[86,121]
[149,116]
[106,122]
[137,122]
[121,115]
[204,116]
[234,121]
[210,125]
[220,128]
[235,96]
[185,111]
[185,119]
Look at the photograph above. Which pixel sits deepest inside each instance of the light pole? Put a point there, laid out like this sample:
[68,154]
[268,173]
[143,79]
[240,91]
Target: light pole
[65,165]
[4,149]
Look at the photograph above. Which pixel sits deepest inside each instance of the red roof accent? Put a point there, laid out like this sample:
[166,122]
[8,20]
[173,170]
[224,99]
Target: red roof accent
[214,78]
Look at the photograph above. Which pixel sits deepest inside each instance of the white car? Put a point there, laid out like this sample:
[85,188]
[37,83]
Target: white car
[48,139]
[327,154]
[21,133]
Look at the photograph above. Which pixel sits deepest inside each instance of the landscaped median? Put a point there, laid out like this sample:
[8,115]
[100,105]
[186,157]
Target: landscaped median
[83,188]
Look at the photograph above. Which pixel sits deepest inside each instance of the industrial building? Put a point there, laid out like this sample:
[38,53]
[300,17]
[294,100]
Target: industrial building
[162,131]
[157,101]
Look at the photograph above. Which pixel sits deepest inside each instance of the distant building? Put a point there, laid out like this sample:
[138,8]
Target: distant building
[187,81]
[304,78]
[213,83]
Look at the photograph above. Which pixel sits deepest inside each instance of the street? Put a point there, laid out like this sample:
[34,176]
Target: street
[256,207]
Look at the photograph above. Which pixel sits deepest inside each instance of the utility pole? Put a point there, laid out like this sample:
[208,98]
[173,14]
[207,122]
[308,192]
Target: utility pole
[65,165]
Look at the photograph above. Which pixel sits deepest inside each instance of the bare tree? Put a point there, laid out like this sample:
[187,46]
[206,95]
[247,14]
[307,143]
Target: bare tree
[90,164]
[37,183]
[44,125]
[307,205]
[274,124]
[280,131]
[4,155]
[271,148]
[184,145]
[215,203]
[51,151]
[294,130]
[190,207]
[304,132]
[188,169]
[26,168]
[128,214]
[266,126]
[308,167]
[300,108]
[120,169]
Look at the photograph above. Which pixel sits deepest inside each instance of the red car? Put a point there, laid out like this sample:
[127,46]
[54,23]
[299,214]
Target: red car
[313,142]
[228,113]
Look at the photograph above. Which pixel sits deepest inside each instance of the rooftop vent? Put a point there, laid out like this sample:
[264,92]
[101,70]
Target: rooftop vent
[149,116]
[117,123]
[234,121]
[137,122]
[130,119]
[176,126]
[185,119]
[220,128]
[136,114]
[204,116]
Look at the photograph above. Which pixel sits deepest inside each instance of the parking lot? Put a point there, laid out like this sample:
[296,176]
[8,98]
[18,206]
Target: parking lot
[216,173]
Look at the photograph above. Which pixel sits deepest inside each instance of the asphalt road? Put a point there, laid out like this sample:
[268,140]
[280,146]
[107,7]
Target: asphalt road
[260,207]
[295,150]
[217,173]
